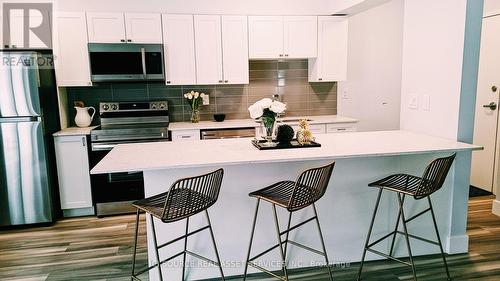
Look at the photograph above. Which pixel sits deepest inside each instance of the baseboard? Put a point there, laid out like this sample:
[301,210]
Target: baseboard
[496,207]
[80,212]
[457,244]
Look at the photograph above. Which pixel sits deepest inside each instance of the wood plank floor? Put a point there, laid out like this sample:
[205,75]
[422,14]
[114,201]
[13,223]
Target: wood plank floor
[100,249]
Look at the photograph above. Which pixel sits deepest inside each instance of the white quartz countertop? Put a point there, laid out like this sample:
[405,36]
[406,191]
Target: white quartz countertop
[74,131]
[169,155]
[245,123]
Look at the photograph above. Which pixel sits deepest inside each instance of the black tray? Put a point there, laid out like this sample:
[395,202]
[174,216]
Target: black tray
[292,144]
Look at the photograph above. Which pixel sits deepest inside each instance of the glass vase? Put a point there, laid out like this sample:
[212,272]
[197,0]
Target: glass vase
[195,116]
[268,125]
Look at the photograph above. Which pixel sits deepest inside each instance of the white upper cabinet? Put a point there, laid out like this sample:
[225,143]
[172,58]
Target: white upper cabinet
[179,53]
[265,37]
[331,63]
[273,37]
[16,27]
[143,28]
[235,49]
[106,27]
[208,37]
[221,49]
[300,36]
[121,28]
[70,49]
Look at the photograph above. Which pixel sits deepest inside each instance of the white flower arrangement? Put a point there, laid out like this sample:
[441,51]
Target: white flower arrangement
[194,99]
[266,108]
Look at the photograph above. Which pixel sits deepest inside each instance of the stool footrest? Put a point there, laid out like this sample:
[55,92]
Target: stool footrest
[182,237]
[420,238]
[203,258]
[297,226]
[252,264]
[388,256]
[418,215]
[306,248]
[265,252]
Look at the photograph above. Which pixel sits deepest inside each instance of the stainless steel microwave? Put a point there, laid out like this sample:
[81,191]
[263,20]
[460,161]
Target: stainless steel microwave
[126,62]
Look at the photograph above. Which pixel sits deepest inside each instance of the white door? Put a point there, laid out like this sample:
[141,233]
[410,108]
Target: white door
[73,172]
[106,27]
[208,38]
[300,38]
[178,44]
[143,28]
[331,63]
[486,120]
[71,55]
[265,37]
[235,49]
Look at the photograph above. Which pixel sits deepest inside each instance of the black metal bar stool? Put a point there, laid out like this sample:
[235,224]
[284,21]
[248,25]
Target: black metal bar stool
[186,197]
[420,188]
[309,187]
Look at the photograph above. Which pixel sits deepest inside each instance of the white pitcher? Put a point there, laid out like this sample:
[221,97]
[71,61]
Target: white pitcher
[83,118]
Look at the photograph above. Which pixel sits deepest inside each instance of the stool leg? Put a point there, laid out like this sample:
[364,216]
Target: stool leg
[288,232]
[185,249]
[439,238]
[156,247]
[323,244]
[251,239]
[407,238]
[276,223]
[369,234]
[135,243]
[396,229]
[215,245]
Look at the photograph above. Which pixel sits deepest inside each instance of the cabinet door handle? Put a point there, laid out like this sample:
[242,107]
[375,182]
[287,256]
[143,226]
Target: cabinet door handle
[122,40]
[185,137]
[220,81]
[225,81]
[129,40]
[320,79]
[286,55]
[281,55]
[84,142]
[168,82]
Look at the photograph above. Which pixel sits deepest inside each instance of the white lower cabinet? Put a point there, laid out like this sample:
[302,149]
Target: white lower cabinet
[186,135]
[73,172]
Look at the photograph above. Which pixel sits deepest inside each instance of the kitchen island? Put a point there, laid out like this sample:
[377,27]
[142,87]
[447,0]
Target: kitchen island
[344,211]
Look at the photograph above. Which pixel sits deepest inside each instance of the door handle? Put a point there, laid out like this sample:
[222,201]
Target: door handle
[143,58]
[492,106]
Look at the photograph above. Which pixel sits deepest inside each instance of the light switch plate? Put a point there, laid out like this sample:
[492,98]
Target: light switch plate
[345,93]
[426,102]
[412,101]
[206,100]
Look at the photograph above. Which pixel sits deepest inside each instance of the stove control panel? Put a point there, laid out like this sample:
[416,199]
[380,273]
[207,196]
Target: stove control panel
[132,106]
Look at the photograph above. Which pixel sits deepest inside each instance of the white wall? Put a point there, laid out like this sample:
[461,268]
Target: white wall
[433,45]
[374,68]
[491,7]
[262,7]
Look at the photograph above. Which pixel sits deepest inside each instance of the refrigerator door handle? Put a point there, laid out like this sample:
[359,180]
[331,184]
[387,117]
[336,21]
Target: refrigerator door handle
[19,119]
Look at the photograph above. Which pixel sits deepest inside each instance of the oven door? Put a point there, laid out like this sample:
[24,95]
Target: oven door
[126,62]
[114,193]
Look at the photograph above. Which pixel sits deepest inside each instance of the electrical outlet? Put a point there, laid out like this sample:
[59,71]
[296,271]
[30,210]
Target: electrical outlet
[426,102]
[206,100]
[412,101]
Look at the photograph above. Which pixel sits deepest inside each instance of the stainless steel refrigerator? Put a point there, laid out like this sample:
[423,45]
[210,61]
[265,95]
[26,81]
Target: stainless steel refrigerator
[28,116]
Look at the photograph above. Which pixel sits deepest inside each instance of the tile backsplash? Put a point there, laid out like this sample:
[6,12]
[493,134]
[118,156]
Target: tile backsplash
[286,78]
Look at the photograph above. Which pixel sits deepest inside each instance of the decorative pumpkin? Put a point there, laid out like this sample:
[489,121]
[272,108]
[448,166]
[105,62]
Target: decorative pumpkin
[304,135]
